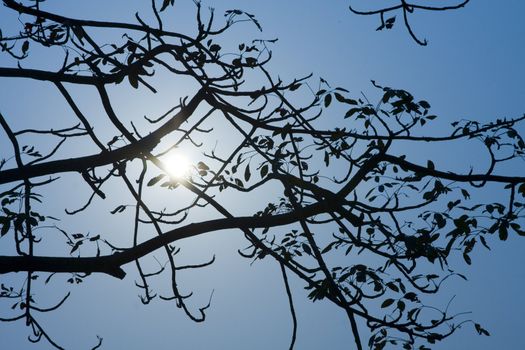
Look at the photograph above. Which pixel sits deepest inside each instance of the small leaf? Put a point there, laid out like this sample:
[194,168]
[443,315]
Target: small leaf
[215,47]
[480,330]
[424,104]
[95,238]
[202,166]
[75,247]
[264,170]
[503,233]
[440,220]
[118,209]
[251,61]
[467,259]
[327,248]
[484,242]
[156,179]
[49,278]
[517,229]
[391,20]
[133,79]
[247,173]
[25,47]
[327,100]
[351,112]
[521,189]
[5,228]
[411,296]
[166,3]
[387,303]
[392,286]
[295,86]
[339,97]
[401,305]
[307,249]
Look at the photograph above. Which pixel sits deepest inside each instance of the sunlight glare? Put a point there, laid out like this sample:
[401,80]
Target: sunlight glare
[177,165]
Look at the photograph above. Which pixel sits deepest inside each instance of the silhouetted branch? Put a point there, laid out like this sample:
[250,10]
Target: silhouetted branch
[406,8]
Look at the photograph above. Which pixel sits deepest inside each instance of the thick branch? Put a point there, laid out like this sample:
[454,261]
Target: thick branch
[130,151]
[55,77]
[111,264]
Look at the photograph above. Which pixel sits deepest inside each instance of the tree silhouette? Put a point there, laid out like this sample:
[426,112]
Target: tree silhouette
[361,224]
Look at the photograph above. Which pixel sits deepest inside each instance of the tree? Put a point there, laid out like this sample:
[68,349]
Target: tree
[360,223]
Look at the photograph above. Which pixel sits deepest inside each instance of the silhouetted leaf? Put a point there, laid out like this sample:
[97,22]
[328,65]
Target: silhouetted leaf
[503,232]
[392,286]
[156,179]
[480,330]
[521,189]
[295,86]
[401,305]
[166,3]
[133,79]
[75,246]
[517,228]
[484,242]
[5,227]
[202,166]
[247,173]
[251,61]
[118,209]
[424,104]
[327,100]
[387,303]
[411,296]
[307,249]
[264,170]
[351,112]
[391,20]
[215,47]
[25,47]
[440,220]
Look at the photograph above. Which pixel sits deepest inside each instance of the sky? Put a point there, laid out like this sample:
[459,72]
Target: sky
[472,68]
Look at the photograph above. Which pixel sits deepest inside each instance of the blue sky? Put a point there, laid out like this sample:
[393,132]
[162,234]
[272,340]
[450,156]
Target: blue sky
[472,68]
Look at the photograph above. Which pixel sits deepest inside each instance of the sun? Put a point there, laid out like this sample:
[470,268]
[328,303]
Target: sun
[177,165]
